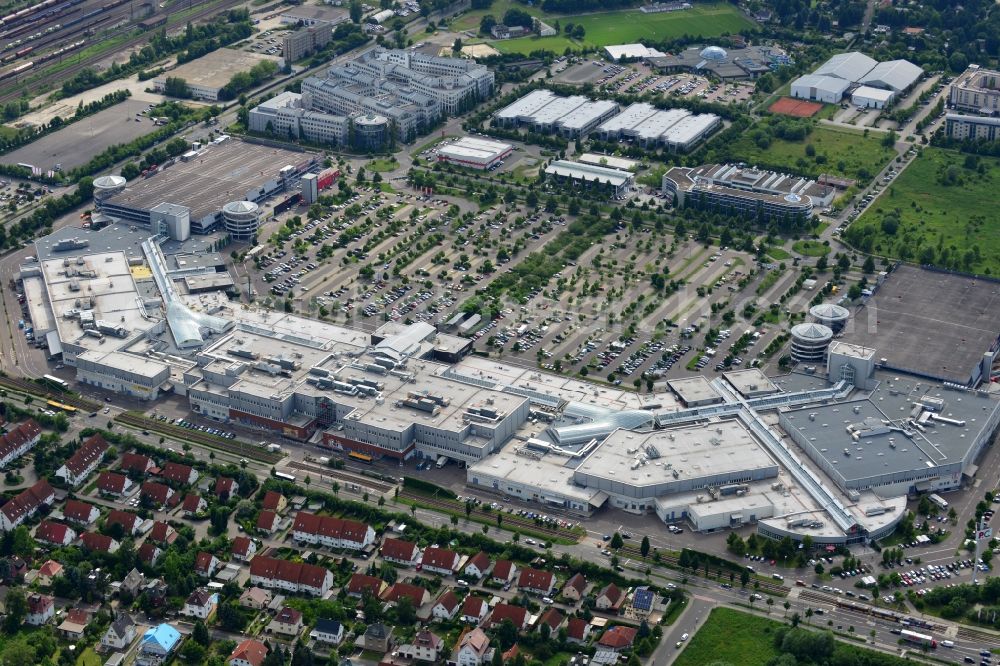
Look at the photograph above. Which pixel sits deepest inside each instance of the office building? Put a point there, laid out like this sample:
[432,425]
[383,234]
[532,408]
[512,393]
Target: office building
[979,128]
[589,175]
[977,90]
[305,41]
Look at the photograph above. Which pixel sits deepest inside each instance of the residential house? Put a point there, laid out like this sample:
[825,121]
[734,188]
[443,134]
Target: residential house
[183,475]
[426,646]
[158,495]
[131,523]
[288,622]
[610,598]
[440,561]
[114,484]
[642,602]
[48,572]
[18,440]
[417,595]
[80,513]
[133,582]
[477,566]
[551,618]
[267,522]
[18,569]
[336,533]
[201,603]
[249,652]
[120,634]
[158,643]
[516,614]
[274,501]
[255,598]
[193,504]
[361,584]
[206,564]
[326,631]
[577,630]
[84,461]
[614,641]
[473,648]
[244,548]
[162,533]
[503,572]
[290,576]
[225,488]
[536,581]
[136,463]
[74,624]
[99,543]
[41,608]
[397,551]
[474,609]
[377,638]
[54,534]
[446,606]
[574,588]
[149,552]
[25,504]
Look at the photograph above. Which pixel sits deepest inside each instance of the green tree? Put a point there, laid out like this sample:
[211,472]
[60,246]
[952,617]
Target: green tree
[616,541]
[17,609]
[199,634]
[644,546]
[356,10]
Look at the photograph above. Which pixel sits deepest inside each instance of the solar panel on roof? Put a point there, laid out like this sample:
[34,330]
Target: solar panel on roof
[643,599]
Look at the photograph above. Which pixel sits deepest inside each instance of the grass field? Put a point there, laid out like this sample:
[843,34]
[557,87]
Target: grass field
[845,151]
[810,248]
[625,27]
[88,658]
[941,224]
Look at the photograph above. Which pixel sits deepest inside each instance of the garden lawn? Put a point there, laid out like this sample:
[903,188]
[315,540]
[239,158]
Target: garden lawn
[630,26]
[846,152]
[932,214]
[730,637]
[809,248]
[88,658]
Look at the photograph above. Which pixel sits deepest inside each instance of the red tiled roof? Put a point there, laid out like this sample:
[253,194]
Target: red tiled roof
[176,472]
[93,448]
[576,628]
[473,606]
[515,614]
[361,583]
[158,493]
[439,558]
[192,501]
[241,546]
[611,592]
[475,639]
[414,593]
[578,582]
[112,482]
[250,651]
[224,486]
[266,520]
[553,618]
[329,526]
[203,562]
[199,597]
[536,579]
[78,616]
[480,560]
[97,542]
[292,572]
[50,568]
[27,501]
[124,518]
[39,603]
[288,615]
[52,532]
[162,533]
[136,462]
[148,552]
[397,549]
[272,499]
[18,436]
[448,601]
[502,569]
[77,511]
[618,637]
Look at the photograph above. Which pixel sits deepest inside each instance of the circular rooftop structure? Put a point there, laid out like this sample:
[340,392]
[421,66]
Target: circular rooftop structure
[830,315]
[371,131]
[107,186]
[241,218]
[810,342]
[713,53]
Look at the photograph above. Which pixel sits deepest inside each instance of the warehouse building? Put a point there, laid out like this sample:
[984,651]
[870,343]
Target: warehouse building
[688,132]
[544,111]
[474,153]
[851,67]
[646,125]
[830,81]
[895,75]
[208,75]
[745,191]
[871,98]
[826,89]
[616,182]
[630,52]
[309,15]
[979,128]
[977,90]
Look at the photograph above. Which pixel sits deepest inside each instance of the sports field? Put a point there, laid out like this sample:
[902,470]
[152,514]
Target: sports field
[837,151]
[626,27]
[934,213]
[797,108]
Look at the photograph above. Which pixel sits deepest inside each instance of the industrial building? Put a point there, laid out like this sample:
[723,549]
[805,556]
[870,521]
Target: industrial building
[544,111]
[722,64]
[871,98]
[646,125]
[620,163]
[976,90]
[895,75]
[309,15]
[837,76]
[850,67]
[589,175]
[630,52]
[199,186]
[827,89]
[979,128]
[305,41]
[208,75]
[745,191]
[473,152]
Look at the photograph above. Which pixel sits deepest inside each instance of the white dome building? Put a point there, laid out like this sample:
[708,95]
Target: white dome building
[810,342]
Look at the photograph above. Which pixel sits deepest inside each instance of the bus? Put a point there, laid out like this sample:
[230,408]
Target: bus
[56,382]
[58,405]
[360,457]
[919,639]
[937,501]
[284,476]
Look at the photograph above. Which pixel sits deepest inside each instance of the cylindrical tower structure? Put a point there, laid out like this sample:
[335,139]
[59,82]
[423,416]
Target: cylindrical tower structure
[107,186]
[810,342]
[241,219]
[830,315]
[371,131]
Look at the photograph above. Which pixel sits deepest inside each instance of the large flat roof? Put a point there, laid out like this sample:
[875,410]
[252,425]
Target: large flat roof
[216,68]
[929,322]
[589,172]
[221,173]
[694,390]
[469,146]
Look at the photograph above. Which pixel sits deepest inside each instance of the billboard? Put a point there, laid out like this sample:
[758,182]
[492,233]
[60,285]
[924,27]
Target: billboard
[326,178]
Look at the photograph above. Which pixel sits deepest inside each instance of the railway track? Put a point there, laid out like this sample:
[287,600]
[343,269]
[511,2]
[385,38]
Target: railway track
[987,639]
[341,475]
[198,437]
[14,88]
[28,386]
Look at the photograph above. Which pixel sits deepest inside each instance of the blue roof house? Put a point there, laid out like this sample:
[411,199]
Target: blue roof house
[157,644]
